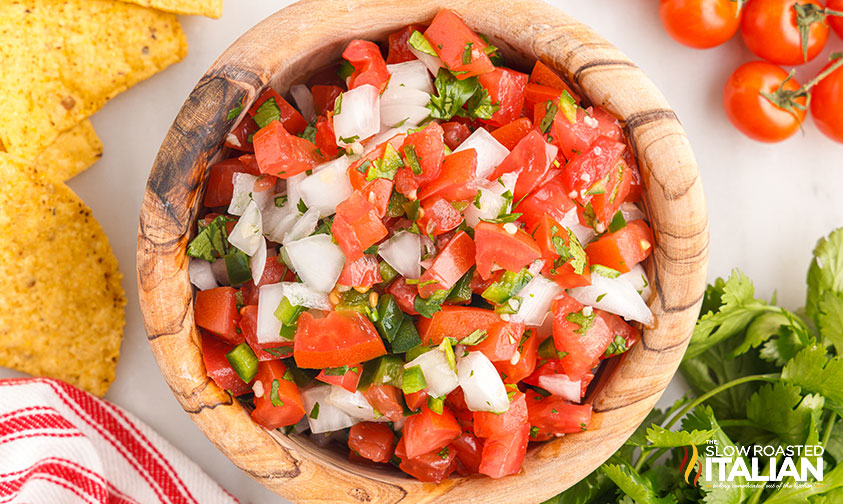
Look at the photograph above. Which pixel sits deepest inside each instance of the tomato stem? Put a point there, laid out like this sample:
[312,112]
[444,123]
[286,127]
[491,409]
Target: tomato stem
[806,15]
[786,99]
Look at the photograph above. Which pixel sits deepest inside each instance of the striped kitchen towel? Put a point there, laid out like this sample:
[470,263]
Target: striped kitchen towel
[59,444]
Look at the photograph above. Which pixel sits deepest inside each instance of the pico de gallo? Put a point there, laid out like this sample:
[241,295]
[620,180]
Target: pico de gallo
[424,256]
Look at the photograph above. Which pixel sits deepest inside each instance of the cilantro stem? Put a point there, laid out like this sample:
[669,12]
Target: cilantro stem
[770,377]
[736,423]
[829,426]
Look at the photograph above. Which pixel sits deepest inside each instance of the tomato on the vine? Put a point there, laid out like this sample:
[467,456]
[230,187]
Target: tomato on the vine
[835,22]
[827,102]
[700,24]
[773,30]
[748,104]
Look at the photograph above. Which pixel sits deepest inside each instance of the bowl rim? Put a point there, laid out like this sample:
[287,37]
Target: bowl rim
[283,47]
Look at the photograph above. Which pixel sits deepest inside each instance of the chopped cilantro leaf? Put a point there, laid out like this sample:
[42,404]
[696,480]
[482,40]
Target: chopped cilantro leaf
[267,112]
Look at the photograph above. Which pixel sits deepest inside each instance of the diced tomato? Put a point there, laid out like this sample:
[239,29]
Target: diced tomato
[586,172]
[545,76]
[239,136]
[363,272]
[429,147]
[416,399]
[325,139]
[216,310]
[455,401]
[456,181]
[506,88]
[217,366]
[280,404]
[250,163]
[506,438]
[357,226]
[372,440]
[378,192]
[324,98]
[221,182]
[636,189]
[549,199]
[281,154]
[347,380]
[469,449]
[501,343]
[454,321]
[340,339]
[577,137]
[248,328]
[624,248]
[620,328]
[385,399]
[452,262]
[431,467]
[554,367]
[536,96]
[497,246]
[275,271]
[439,216]
[455,134]
[428,431]
[614,191]
[530,159]
[526,363]
[368,63]
[455,42]
[399,48]
[583,336]
[554,415]
[550,234]
[287,114]
[404,294]
[510,134]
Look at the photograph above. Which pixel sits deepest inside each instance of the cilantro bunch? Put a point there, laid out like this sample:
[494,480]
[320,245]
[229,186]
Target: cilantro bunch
[759,375]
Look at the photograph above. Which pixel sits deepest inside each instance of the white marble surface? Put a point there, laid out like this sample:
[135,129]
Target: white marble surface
[768,204]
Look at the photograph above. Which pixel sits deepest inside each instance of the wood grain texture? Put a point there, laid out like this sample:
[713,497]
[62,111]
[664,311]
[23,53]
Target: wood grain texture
[284,49]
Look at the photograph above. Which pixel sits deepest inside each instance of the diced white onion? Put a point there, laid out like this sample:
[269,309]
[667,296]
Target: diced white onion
[394,115]
[631,211]
[244,192]
[299,294]
[359,114]
[268,325]
[293,193]
[583,233]
[201,274]
[304,101]
[329,417]
[220,272]
[403,253]
[327,187]
[562,386]
[304,226]
[490,152]
[277,221]
[403,96]
[481,384]
[637,276]
[258,262]
[616,295]
[432,63]
[412,74]
[354,405]
[536,298]
[317,261]
[385,134]
[491,204]
[247,234]
[438,374]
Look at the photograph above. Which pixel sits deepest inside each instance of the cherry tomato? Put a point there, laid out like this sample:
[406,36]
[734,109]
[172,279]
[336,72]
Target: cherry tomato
[770,30]
[835,22]
[755,115]
[827,104]
[700,24]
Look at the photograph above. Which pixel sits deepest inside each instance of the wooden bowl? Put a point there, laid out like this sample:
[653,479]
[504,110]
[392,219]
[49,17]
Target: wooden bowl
[290,45]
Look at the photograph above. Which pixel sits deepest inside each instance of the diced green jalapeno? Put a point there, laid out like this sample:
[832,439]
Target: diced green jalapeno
[390,317]
[244,361]
[413,380]
[288,313]
[509,285]
[406,338]
[547,350]
[415,351]
[387,272]
[461,293]
[436,404]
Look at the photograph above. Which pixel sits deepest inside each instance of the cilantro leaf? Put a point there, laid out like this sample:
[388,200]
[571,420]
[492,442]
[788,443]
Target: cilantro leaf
[781,410]
[267,112]
[211,242]
[826,272]
[235,112]
[830,318]
[659,437]
[387,166]
[815,373]
[480,105]
[452,94]
[768,325]
[637,487]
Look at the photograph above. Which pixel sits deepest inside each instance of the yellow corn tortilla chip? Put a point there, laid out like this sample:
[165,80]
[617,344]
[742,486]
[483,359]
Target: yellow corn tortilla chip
[210,8]
[72,153]
[62,60]
[60,293]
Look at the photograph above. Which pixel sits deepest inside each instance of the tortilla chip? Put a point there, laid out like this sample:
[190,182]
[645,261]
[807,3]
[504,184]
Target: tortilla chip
[63,59]
[72,153]
[60,289]
[210,8]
